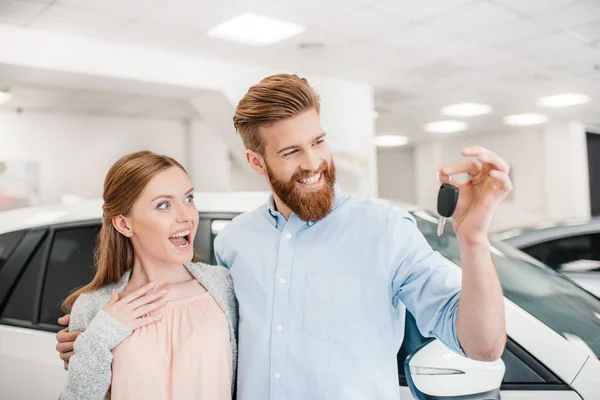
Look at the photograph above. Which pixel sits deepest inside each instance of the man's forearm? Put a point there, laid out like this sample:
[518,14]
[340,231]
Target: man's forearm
[480,321]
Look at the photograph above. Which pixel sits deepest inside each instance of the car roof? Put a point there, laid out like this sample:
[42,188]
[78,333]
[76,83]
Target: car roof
[83,210]
[207,202]
[534,234]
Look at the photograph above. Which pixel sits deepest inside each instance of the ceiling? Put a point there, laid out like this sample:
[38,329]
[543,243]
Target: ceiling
[39,91]
[420,55]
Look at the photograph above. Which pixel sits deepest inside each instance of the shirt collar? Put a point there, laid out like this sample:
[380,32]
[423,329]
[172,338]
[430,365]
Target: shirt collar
[276,215]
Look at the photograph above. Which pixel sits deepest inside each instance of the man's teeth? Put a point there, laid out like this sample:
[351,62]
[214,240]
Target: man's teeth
[311,180]
[181,234]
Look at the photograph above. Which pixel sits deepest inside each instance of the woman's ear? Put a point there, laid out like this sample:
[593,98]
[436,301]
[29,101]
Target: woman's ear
[123,225]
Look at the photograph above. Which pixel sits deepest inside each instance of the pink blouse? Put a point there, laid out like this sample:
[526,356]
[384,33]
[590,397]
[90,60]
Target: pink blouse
[185,355]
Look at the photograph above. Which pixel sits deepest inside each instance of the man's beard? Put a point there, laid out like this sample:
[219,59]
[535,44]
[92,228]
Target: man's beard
[311,206]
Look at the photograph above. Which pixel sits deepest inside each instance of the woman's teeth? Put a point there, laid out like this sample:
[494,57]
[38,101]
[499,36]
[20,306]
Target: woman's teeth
[311,180]
[180,234]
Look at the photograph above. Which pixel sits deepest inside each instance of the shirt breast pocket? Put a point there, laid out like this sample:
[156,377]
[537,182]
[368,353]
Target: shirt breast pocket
[332,306]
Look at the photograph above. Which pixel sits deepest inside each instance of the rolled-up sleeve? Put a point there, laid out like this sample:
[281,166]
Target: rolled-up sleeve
[424,281]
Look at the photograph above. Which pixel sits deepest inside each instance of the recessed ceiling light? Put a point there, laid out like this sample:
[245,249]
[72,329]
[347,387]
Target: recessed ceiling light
[466,109]
[5,97]
[390,140]
[255,30]
[446,126]
[525,119]
[310,46]
[563,100]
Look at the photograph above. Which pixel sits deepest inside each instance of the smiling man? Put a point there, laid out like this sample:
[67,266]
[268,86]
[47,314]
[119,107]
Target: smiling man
[324,278]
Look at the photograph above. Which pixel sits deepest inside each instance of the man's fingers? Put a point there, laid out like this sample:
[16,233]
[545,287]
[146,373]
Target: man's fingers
[66,365]
[469,166]
[145,321]
[66,357]
[138,293]
[64,347]
[486,156]
[502,177]
[64,320]
[494,160]
[66,336]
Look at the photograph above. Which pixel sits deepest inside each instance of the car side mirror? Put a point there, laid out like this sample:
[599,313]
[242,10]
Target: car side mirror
[435,372]
[580,266]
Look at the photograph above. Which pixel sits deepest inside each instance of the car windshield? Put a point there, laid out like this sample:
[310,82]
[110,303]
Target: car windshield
[547,295]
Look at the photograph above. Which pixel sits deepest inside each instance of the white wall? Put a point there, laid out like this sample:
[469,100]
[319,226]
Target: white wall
[209,161]
[347,107]
[396,168]
[74,152]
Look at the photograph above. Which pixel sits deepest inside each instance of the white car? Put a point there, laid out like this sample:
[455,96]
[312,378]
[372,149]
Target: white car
[570,247]
[553,325]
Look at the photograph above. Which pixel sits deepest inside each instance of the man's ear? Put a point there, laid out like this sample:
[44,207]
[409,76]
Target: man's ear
[257,162]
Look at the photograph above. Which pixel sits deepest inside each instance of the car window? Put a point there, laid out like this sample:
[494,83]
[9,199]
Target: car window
[8,242]
[21,303]
[208,229]
[544,293]
[70,266]
[557,253]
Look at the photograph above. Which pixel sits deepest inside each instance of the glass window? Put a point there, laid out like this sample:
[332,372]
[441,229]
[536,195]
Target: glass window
[207,231]
[517,371]
[21,303]
[557,253]
[547,295]
[71,265]
[8,242]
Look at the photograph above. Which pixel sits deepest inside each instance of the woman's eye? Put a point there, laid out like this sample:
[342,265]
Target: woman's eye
[190,198]
[163,206]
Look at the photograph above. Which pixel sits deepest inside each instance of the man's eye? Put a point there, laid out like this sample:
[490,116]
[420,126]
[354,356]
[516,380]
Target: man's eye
[290,153]
[190,198]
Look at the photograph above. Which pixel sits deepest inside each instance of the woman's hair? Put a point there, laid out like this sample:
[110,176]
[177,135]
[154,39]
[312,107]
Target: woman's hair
[124,182]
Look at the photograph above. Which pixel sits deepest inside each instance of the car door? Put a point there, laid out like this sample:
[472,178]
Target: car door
[38,269]
[525,376]
[49,263]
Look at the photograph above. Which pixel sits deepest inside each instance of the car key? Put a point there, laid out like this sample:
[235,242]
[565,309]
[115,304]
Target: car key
[446,204]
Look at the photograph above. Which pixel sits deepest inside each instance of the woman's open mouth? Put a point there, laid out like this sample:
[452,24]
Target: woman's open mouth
[181,239]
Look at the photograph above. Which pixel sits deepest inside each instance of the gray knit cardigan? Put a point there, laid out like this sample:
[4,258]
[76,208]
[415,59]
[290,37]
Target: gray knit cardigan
[90,367]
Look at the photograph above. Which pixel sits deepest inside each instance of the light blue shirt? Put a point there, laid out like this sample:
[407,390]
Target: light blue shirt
[322,305]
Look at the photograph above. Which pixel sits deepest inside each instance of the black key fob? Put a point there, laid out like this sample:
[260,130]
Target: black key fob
[447,200]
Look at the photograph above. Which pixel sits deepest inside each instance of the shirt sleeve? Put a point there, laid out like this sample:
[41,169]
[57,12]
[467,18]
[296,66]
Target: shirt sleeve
[424,281]
[219,249]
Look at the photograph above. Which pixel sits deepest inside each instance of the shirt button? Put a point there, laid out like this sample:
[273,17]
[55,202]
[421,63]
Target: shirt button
[277,375]
[279,328]
[282,281]
[288,236]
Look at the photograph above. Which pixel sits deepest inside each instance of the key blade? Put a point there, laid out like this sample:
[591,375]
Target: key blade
[441,224]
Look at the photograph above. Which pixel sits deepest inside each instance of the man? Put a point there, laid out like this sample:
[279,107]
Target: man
[323,278]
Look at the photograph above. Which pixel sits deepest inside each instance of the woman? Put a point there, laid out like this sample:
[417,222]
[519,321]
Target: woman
[156,324]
